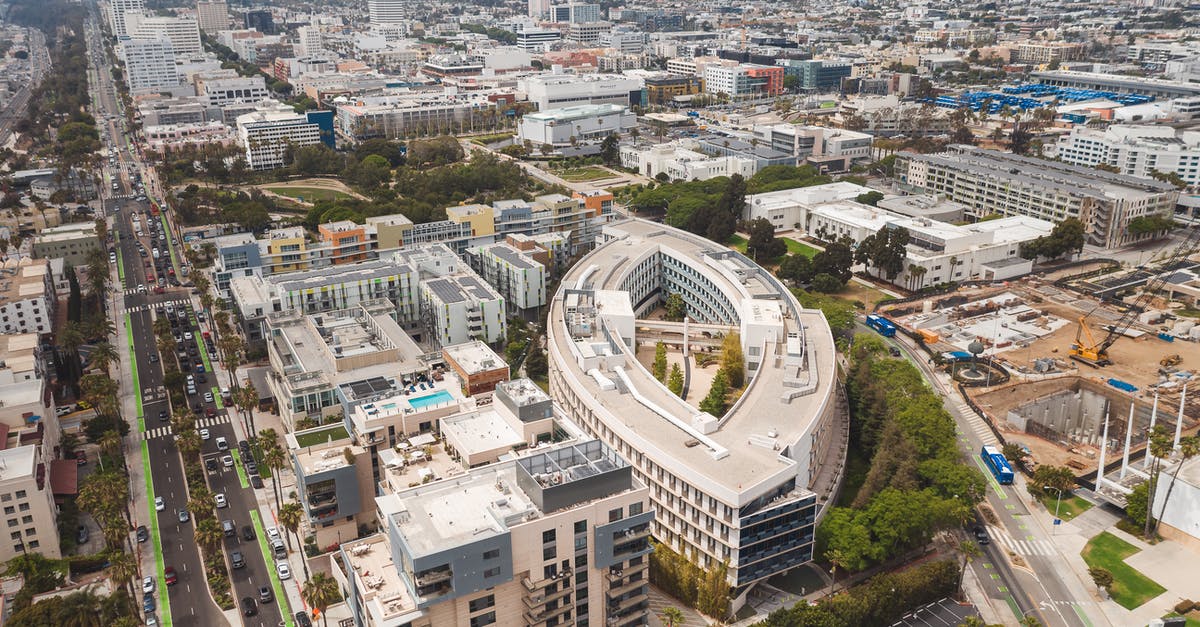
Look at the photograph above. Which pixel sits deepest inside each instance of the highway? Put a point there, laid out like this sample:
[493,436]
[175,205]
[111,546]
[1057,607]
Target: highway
[1020,566]
[148,286]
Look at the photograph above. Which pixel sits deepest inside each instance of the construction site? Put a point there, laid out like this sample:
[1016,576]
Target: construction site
[1091,354]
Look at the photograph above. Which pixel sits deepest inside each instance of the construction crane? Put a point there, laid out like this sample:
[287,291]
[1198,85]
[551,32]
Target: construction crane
[1087,350]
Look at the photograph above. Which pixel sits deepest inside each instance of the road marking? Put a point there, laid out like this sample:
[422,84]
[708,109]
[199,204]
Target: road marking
[1016,609]
[1030,546]
[991,479]
[1082,616]
[164,598]
[269,558]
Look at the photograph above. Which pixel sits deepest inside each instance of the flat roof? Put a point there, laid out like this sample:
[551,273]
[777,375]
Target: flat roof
[331,275]
[474,357]
[769,406]
[18,463]
[23,279]
[480,431]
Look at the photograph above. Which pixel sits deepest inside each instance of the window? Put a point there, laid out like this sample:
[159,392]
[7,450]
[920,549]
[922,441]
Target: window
[23,507]
[614,515]
[5,497]
[33,544]
[548,553]
[548,536]
[482,603]
[492,572]
[9,509]
[581,543]
[484,619]
[20,494]
[31,531]
[635,508]
[16,535]
[492,554]
[581,526]
[12,522]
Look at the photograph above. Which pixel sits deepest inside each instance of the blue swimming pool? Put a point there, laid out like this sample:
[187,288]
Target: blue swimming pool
[437,398]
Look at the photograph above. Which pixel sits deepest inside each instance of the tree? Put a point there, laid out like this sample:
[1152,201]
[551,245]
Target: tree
[1189,447]
[733,363]
[673,617]
[208,533]
[1067,237]
[827,283]
[676,308]
[610,149]
[1136,508]
[274,457]
[836,260]
[1101,577]
[962,135]
[675,380]
[536,365]
[290,516]
[870,198]
[103,355]
[1160,448]
[319,592]
[763,244]
[714,403]
[660,361]
[1058,477]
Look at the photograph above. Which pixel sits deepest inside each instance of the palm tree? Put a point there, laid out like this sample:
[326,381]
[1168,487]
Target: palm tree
[189,443]
[208,534]
[1160,448]
[111,444]
[319,592]
[290,517]
[1189,447]
[103,355]
[201,504]
[182,419]
[274,457]
[969,551]
[673,617]
[123,568]
[162,327]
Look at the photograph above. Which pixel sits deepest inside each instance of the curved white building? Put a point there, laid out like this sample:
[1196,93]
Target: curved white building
[743,487]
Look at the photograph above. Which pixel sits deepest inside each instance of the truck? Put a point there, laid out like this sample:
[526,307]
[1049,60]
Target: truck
[882,325]
[997,464]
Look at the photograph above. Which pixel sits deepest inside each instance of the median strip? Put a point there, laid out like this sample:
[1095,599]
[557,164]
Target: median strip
[137,390]
[269,558]
[237,466]
[164,601]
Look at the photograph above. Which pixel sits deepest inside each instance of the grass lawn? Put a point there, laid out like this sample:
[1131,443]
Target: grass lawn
[312,438]
[1071,506]
[1130,588]
[484,140]
[308,194]
[800,248]
[737,242]
[584,174]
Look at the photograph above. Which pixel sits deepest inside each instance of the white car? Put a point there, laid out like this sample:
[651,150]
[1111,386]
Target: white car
[159,504]
[227,461]
[208,397]
[273,534]
[220,500]
[148,584]
[204,434]
[222,444]
[285,571]
[187,335]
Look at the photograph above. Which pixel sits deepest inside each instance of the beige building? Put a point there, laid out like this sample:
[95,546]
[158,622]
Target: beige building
[28,504]
[69,242]
[27,299]
[561,536]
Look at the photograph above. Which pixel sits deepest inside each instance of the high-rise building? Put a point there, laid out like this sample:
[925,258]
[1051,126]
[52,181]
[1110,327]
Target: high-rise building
[150,64]
[539,8]
[268,133]
[184,33]
[116,15]
[261,21]
[27,300]
[387,11]
[212,16]
[575,13]
[308,42]
[25,489]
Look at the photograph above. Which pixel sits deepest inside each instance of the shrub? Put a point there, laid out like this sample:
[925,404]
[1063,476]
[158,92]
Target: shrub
[1185,606]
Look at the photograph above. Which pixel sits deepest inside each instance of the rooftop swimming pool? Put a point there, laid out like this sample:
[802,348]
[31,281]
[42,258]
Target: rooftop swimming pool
[437,398]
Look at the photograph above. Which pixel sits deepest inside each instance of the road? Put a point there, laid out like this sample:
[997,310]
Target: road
[39,63]
[1036,585]
[173,544]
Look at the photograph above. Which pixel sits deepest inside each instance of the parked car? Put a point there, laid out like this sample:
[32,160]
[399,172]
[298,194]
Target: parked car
[148,584]
[142,534]
[159,504]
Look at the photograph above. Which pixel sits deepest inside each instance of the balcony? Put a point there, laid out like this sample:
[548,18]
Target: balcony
[618,589]
[538,599]
[614,576]
[431,577]
[539,617]
[616,607]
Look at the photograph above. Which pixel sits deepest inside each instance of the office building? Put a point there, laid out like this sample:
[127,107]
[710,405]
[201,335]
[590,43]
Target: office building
[27,497]
[587,32]
[261,21]
[991,182]
[682,160]
[665,88]
[117,10]
[412,113]
[560,536]
[553,91]
[566,126]
[183,32]
[743,80]
[1046,52]
[1135,150]
[150,64]
[212,16]
[537,39]
[816,141]
[222,92]
[70,242]
[538,9]
[27,297]
[743,487]
[388,11]
[308,42]
[268,133]
[818,75]
[478,367]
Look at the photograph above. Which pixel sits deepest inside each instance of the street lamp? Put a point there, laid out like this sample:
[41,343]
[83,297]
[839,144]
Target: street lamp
[1056,503]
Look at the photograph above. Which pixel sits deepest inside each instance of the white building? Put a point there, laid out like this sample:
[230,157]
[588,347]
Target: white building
[226,91]
[117,9]
[816,141]
[212,16]
[538,8]
[456,305]
[789,208]
[387,11]
[625,42]
[537,39]
[513,273]
[183,32]
[150,64]
[27,299]
[71,242]
[683,160]
[26,477]
[565,125]
[266,135]
[1181,518]
[1136,150]
[587,32]
[552,91]
[308,42]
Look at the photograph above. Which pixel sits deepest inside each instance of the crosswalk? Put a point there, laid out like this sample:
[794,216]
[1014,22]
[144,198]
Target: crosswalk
[203,423]
[147,307]
[1020,547]
[976,422]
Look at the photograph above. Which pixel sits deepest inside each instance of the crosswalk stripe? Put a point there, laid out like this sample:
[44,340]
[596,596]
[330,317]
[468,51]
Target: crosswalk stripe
[1020,547]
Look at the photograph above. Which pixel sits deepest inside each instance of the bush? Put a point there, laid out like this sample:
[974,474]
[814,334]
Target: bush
[1185,606]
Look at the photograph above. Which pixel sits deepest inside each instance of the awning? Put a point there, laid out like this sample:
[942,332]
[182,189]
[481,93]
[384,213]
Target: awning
[64,477]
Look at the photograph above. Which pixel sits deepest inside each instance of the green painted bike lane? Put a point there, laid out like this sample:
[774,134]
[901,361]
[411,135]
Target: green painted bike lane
[171,244]
[164,600]
[269,558]
[137,388]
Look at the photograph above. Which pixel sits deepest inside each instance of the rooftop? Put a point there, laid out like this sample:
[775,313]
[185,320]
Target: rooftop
[333,275]
[18,463]
[23,279]
[474,357]
[577,112]
[383,592]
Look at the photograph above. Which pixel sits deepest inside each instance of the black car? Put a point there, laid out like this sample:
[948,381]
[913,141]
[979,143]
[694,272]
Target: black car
[256,481]
[249,606]
[894,351]
[163,415]
[142,534]
[247,533]
[981,536]
[211,464]
[302,620]
[154,358]
[243,446]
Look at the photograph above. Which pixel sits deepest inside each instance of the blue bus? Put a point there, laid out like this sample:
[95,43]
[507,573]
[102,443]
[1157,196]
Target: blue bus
[997,464]
[881,325]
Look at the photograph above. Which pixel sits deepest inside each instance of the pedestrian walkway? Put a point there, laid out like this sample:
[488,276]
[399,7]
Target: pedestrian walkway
[975,421]
[150,306]
[203,423]
[1020,547]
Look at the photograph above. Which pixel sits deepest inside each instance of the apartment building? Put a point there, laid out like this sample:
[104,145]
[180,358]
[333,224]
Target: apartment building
[27,298]
[743,80]
[223,92]
[117,12]
[70,242]
[420,112]
[991,182]
[183,32]
[267,134]
[150,64]
[742,487]
[335,489]
[28,502]
[478,366]
[212,16]
[1046,52]
[458,306]
[553,91]
[344,242]
[1135,150]
[22,384]
[560,536]
[518,276]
